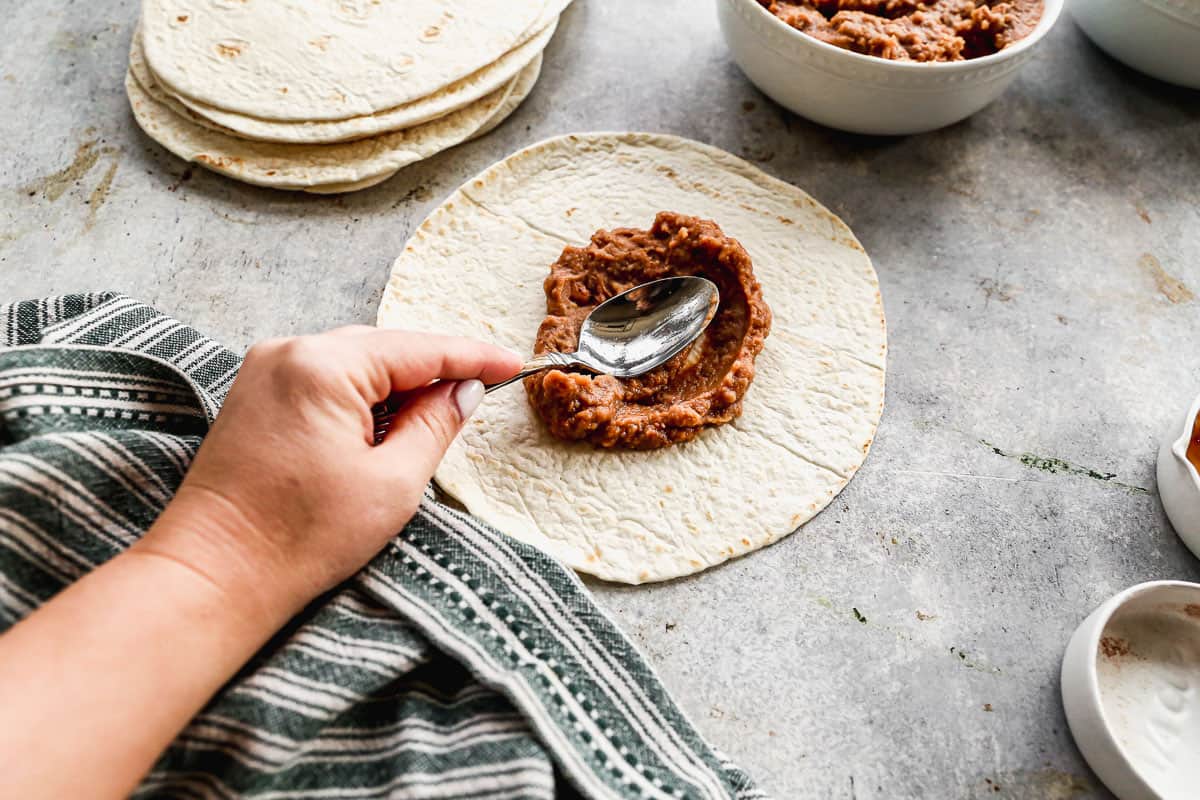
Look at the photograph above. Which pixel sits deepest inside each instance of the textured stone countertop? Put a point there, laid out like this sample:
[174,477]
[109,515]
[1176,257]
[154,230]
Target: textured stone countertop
[1035,261]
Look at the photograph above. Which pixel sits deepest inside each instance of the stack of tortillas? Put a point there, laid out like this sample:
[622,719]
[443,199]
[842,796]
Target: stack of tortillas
[335,95]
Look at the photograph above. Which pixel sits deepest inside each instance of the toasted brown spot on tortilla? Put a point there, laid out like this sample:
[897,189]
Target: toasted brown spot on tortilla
[219,162]
[231,48]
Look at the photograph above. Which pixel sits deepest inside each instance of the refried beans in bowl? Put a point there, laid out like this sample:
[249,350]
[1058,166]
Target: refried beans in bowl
[885,67]
[913,30]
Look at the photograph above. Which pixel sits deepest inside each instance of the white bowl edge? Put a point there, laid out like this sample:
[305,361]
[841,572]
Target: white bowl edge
[1179,481]
[1179,447]
[1080,688]
[1160,38]
[865,94]
[1052,10]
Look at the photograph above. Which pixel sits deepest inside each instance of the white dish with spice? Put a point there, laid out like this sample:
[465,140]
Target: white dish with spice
[1179,480]
[1158,37]
[1131,691]
[862,93]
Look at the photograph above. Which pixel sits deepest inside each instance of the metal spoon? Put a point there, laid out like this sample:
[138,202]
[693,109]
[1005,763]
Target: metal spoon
[634,332]
[625,336]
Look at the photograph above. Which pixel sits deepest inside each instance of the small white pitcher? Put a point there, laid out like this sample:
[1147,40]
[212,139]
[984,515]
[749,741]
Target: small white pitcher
[1179,483]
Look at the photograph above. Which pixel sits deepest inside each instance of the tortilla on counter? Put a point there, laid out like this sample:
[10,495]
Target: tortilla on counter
[525,81]
[475,267]
[454,97]
[283,60]
[299,166]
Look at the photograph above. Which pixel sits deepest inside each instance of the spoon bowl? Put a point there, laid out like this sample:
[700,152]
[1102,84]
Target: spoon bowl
[635,331]
[643,328]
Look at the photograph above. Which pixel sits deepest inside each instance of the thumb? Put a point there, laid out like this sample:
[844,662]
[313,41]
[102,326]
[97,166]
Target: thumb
[427,423]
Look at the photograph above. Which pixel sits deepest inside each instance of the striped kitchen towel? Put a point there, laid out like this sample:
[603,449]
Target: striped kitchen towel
[458,664]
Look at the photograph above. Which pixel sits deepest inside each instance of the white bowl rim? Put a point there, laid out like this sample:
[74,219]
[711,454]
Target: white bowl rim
[1052,9]
[1190,17]
[1091,676]
[1180,445]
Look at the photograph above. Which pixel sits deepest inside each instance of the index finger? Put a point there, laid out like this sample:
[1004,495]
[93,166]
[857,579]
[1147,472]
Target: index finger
[410,359]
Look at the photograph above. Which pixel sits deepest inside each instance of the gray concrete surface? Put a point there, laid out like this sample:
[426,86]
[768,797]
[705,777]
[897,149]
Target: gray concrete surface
[1035,263]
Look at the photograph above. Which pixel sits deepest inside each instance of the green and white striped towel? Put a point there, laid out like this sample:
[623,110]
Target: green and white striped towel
[458,664]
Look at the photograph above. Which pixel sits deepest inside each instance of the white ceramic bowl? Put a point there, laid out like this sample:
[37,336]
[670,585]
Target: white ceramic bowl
[1131,690]
[1158,37]
[864,94]
[1179,483]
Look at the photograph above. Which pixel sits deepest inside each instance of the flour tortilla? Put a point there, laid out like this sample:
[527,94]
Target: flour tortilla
[295,166]
[525,82]
[522,88]
[455,96]
[353,186]
[304,60]
[475,267]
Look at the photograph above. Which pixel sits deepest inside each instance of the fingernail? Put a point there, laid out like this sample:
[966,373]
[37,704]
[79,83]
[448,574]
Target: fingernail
[467,396]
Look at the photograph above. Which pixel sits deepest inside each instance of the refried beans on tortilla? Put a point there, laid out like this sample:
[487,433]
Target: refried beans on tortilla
[699,388]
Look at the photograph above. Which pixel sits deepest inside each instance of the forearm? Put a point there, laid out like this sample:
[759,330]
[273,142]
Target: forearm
[96,683]
[286,498]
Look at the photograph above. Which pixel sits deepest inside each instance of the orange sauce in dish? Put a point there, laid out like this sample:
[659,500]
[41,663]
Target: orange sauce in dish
[1193,449]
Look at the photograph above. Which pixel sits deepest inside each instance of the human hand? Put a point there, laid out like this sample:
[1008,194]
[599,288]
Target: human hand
[287,496]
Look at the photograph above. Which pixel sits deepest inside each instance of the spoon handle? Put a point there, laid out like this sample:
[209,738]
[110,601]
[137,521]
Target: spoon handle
[535,365]
[385,413]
